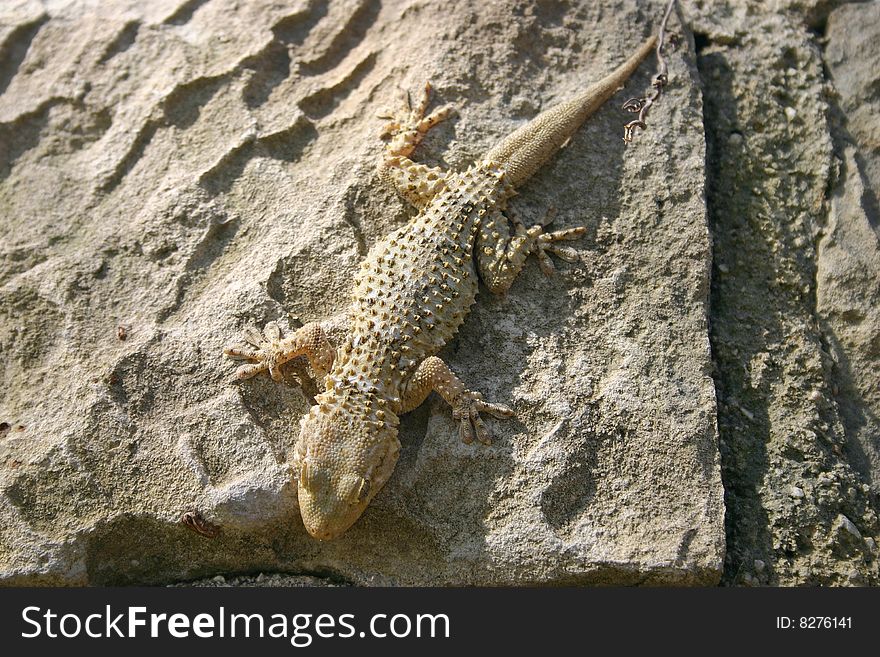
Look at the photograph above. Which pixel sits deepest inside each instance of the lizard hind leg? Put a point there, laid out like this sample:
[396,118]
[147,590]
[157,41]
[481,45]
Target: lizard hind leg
[502,255]
[434,375]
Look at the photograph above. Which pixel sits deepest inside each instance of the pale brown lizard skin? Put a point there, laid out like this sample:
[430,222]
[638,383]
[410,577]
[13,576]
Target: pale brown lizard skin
[410,296]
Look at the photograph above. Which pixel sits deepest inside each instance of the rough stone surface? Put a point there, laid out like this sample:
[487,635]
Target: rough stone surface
[848,271]
[175,170]
[260,580]
[793,304]
[180,169]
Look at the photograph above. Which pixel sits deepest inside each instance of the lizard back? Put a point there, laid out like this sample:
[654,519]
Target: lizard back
[416,286]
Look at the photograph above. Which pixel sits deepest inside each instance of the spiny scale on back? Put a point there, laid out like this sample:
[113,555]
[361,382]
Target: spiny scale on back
[411,294]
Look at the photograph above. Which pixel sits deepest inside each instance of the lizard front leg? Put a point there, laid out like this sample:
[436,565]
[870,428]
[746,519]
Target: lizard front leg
[434,375]
[270,351]
[417,183]
[501,256]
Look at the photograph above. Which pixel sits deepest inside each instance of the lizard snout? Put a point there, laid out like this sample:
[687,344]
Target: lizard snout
[326,515]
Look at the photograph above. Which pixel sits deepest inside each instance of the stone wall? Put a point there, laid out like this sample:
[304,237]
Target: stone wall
[173,172]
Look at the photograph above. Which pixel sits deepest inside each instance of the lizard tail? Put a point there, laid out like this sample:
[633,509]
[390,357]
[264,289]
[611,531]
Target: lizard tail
[527,149]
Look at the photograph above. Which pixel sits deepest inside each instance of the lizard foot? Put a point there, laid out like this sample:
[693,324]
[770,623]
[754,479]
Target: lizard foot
[466,409]
[405,132]
[545,243]
[268,352]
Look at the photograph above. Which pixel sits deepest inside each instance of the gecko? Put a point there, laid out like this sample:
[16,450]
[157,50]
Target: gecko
[410,296]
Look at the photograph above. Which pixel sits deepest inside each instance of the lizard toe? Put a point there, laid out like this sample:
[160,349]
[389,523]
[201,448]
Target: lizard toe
[466,431]
[240,353]
[248,371]
[496,410]
[484,435]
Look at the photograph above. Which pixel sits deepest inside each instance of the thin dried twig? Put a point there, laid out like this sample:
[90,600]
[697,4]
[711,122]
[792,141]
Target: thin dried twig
[661,79]
[197,522]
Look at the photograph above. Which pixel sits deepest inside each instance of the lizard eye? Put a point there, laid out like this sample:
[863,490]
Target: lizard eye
[304,475]
[355,488]
[364,489]
[313,477]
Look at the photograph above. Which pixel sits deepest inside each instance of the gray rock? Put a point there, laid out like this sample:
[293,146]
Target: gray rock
[849,527]
[182,170]
[171,171]
[848,265]
[780,369]
[262,580]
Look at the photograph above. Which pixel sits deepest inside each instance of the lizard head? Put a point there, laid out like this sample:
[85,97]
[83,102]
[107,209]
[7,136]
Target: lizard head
[346,452]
